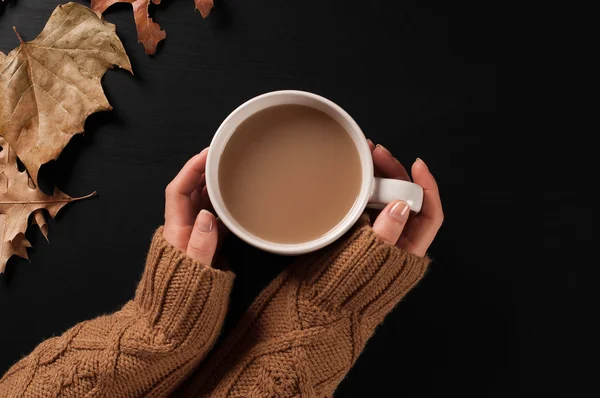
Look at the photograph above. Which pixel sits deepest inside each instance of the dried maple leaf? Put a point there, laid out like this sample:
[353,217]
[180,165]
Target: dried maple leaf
[19,198]
[49,86]
[149,32]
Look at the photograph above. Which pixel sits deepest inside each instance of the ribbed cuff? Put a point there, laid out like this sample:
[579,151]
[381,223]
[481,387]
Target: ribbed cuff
[176,292]
[362,274]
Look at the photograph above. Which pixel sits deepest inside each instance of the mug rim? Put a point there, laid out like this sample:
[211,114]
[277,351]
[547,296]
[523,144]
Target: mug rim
[218,144]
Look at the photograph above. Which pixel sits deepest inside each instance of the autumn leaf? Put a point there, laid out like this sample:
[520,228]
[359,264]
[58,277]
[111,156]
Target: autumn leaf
[38,218]
[49,86]
[17,246]
[204,6]
[149,32]
[20,198]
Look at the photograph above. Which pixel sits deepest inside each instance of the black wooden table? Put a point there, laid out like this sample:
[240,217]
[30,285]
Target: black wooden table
[419,77]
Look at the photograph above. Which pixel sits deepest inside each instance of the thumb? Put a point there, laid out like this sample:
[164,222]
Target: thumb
[203,241]
[391,221]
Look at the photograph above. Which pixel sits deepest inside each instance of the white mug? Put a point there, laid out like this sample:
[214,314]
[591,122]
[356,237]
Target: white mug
[374,192]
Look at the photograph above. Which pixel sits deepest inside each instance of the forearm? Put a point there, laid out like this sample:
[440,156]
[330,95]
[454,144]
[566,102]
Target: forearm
[146,348]
[308,327]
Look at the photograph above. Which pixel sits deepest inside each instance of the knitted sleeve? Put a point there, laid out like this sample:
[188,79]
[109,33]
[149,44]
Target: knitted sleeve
[307,328]
[144,349]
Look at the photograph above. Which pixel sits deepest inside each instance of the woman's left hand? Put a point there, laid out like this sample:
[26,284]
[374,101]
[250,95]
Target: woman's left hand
[189,225]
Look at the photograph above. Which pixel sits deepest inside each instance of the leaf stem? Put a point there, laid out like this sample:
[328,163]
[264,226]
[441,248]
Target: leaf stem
[18,35]
[50,201]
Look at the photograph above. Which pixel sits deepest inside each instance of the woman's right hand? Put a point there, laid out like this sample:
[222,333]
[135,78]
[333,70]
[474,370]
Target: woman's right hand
[395,224]
[189,225]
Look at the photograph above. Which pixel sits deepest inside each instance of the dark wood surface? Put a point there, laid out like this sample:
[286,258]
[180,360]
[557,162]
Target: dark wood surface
[495,314]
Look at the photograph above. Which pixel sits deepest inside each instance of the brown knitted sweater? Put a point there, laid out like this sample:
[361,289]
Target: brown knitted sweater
[299,338]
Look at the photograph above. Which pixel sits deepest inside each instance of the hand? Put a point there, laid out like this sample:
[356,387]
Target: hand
[189,226]
[412,232]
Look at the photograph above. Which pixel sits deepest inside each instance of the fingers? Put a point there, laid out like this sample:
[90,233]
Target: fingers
[424,226]
[392,225]
[387,165]
[201,198]
[432,204]
[197,194]
[391,221]
[187,179]
[182,202]
[204,237]
[372,148]
[371,145]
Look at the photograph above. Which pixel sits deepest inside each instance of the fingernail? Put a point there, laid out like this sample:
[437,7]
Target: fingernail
[399,211]
[422,162]
[384,149]
[204,150]
[370,142]
[204,221]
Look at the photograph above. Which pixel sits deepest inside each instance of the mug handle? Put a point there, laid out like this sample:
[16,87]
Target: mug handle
[386,190]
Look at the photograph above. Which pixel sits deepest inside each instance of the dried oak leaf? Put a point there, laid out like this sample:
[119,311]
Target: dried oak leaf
[204,6]
[19,198]
[49,86]
[149,32]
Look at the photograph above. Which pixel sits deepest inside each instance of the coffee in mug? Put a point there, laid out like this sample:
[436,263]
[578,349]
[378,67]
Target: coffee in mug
[289,174]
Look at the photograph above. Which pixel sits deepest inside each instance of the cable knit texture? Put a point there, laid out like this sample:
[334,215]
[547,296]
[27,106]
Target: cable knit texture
[307,328]
[299,338]
[145,349]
